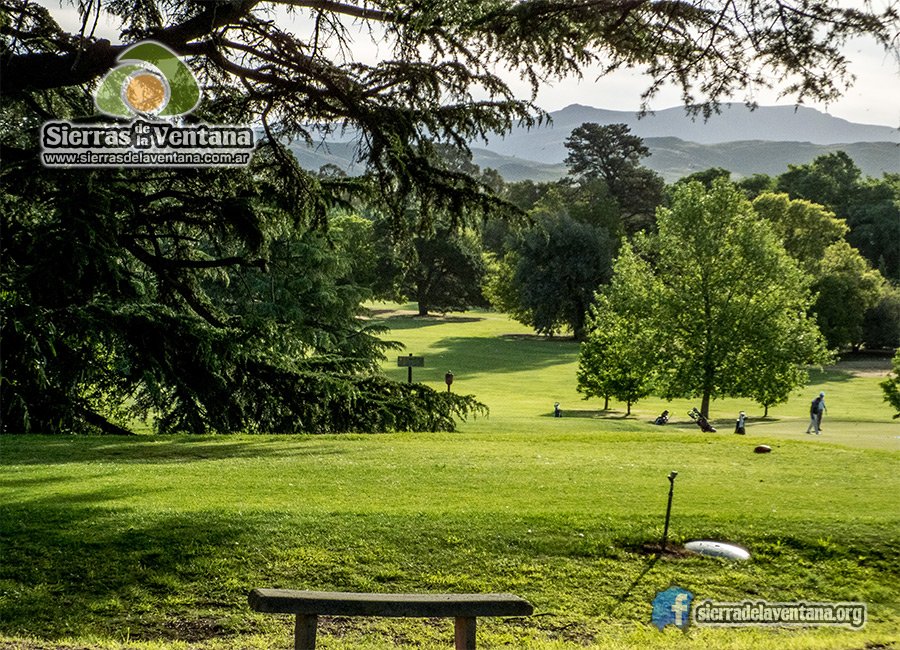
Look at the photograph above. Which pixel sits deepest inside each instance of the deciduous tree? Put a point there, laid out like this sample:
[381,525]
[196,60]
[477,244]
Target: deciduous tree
[553,270]
[806,229]
[619,357]
[731,303]
[891,386]
[881,324]
[847,288]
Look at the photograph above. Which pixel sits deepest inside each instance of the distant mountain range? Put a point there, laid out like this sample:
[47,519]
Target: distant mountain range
[745,142]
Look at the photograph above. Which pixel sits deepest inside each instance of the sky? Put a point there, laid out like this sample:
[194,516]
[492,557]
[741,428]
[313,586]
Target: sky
[873,99]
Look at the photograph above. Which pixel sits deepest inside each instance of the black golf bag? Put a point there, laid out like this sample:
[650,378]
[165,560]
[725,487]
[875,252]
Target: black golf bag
[701,421]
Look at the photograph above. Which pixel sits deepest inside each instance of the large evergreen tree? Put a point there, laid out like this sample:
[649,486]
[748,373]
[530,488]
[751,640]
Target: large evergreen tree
[610,155]
[182,291]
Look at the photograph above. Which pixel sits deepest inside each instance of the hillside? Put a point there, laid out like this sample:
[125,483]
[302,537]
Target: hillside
[671,157]
[736,123]
[745,142]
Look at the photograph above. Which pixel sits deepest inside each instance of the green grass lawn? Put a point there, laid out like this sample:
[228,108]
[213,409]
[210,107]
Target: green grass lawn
[154,542]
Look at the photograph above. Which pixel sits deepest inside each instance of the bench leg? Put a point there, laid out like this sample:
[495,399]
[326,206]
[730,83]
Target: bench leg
[305,632]
[465,633]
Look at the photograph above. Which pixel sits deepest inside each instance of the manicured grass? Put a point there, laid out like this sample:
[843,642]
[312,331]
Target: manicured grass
[520,376]
[154,542]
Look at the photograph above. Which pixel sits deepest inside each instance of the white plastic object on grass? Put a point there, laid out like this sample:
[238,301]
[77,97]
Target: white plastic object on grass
[718,549]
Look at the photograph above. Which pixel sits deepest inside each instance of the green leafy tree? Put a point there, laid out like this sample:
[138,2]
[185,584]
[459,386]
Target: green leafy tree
[124,282]
[806,229]
[728,294]
[874,219]
[891,385]
[553,272]
[830,180]
[756,184]
[447,273]
[847,288]
[354,238]
[871,207]
[771,365]
[619,356]
[881,324]
[705,177]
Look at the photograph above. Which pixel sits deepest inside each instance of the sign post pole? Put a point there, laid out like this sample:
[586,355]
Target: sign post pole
[409,362]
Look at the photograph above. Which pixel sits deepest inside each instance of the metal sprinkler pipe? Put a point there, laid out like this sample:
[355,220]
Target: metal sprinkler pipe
[665,538]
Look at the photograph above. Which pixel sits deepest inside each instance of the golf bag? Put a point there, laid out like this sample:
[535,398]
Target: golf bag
[662,419]
[701,421]
[740,426]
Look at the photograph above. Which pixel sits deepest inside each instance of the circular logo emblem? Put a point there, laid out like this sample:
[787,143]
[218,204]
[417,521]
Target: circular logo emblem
[149,80]
[145,91]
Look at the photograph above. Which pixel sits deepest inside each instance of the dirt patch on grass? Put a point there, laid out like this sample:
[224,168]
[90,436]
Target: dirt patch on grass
[26,644]
[672,550]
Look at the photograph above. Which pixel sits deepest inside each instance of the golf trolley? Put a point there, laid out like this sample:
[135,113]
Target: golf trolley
[701,421]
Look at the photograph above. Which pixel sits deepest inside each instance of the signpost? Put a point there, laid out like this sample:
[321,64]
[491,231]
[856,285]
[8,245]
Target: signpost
[448,378]
[410,362]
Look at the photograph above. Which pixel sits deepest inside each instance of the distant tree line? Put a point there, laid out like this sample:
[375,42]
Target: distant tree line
[544,264]
[708,287]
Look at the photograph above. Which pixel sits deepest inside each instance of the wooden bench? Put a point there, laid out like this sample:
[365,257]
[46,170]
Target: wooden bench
[308,605]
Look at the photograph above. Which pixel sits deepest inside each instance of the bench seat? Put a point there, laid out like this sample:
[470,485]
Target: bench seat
[308,605]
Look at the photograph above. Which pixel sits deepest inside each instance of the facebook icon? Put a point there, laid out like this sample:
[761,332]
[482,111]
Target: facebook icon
[672,607]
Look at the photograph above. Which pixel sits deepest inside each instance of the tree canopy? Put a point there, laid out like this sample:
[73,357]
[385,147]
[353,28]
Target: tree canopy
[725,302]
[549,277]
[619,358]
[871,207]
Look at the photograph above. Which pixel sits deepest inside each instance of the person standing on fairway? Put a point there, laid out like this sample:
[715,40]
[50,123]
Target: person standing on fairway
[820,412]
[815,414]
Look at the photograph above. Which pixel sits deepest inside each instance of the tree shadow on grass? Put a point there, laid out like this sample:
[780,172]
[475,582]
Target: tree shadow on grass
[60,450]
[411,322]
[594,414]
[81,566]
[830,375]
[502,354]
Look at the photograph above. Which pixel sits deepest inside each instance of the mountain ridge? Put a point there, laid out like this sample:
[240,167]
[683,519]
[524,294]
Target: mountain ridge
[678,145]
[734,123]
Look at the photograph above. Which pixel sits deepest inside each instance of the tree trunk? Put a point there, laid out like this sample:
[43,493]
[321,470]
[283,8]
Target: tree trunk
[766,411]
[627,409]
[704,405]
[606,402]
[423,309]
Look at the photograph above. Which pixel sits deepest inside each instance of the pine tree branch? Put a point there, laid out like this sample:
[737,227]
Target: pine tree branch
[85,62]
